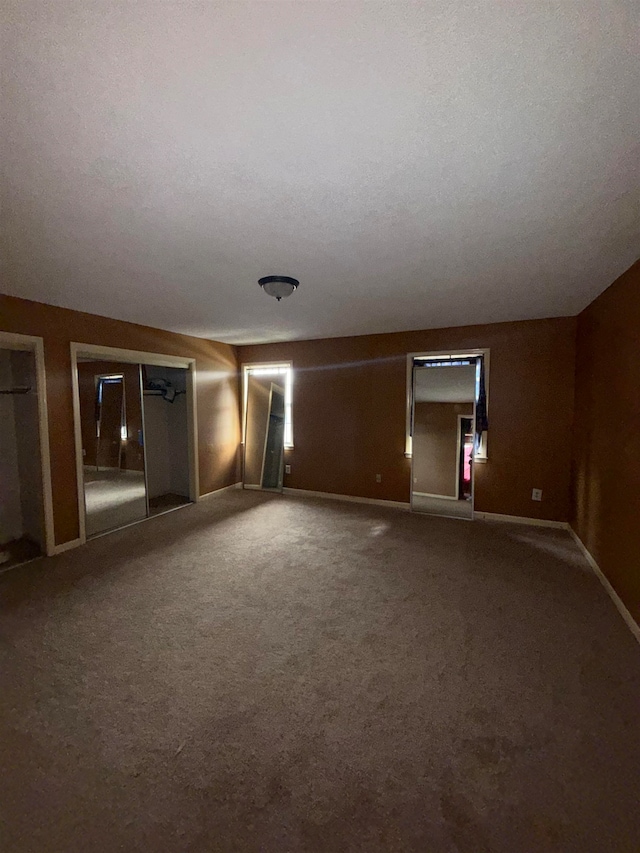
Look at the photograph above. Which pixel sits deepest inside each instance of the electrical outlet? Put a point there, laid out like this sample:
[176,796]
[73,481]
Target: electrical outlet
[287,469]
[415,480]
[378,478]
[536,495]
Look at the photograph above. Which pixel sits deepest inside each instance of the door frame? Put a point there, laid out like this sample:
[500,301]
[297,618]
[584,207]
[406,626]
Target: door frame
[126,356]
[31,343]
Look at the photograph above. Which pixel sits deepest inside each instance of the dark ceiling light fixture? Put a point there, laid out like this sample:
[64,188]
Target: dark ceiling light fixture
[278,286]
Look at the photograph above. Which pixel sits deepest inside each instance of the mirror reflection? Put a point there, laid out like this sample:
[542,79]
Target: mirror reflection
[443,438]
[112,448]
[264,431]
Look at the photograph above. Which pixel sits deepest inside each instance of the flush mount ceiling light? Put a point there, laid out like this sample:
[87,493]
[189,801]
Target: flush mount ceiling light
[278,285]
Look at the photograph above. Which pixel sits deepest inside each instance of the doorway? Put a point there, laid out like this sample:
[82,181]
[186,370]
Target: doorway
[26,508]
[136,442]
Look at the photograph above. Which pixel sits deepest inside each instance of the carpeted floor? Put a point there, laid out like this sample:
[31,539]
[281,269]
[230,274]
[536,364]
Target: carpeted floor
[18,551]
[162,503]
[441,506]
[266,673]
[113,498]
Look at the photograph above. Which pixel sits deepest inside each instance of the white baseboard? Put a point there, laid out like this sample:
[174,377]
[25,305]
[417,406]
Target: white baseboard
[66,546]
[520,519]
[252,486]
[221,491]
[613,595]
[307,493]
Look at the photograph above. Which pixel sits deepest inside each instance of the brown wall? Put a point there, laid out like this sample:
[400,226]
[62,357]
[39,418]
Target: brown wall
[435,447]
[349,412]
[217,392]
[349,406]
[606,460]
[132,452]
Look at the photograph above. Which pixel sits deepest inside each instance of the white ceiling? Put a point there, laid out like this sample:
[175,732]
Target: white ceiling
[414,164]
[445,385]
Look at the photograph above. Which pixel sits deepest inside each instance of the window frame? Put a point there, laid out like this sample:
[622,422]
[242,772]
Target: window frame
[279,368]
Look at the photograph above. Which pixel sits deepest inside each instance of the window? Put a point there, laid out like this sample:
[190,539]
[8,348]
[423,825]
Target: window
[284,370]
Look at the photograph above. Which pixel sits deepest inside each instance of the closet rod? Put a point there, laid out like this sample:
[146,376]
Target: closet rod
[19,390]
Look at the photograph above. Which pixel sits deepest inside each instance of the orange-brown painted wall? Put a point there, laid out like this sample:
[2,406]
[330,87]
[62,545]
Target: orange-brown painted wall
[606,461]
[349,412]
[217,392]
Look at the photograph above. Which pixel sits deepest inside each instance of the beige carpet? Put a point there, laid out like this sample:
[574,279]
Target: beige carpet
[163,503]
[260,673]
[441,506]
[113,498]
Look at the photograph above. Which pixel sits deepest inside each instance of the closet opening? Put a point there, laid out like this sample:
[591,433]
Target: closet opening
[112,444]
[26,511]
[447,424]
[166,437]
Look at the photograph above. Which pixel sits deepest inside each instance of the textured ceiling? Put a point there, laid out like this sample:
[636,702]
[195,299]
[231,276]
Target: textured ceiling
[414,165]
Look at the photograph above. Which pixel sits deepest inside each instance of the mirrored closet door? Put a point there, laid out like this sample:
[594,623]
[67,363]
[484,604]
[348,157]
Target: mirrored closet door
[135,429]
[112,444]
